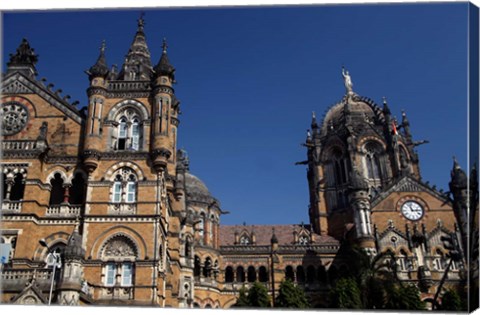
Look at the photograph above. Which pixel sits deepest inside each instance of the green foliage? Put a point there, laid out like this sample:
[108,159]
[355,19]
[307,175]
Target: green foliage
[242,300]
[257,296]
[291,296]
[404,297]
[451,301]
[345,294]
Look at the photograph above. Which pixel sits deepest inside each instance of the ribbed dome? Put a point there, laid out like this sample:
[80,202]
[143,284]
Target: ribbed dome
[358,106]
[196,189]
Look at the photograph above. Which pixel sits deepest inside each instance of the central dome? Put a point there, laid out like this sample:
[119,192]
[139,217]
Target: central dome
[196,189]
[364,109]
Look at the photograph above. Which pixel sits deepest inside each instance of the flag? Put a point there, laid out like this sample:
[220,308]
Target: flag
[394,128]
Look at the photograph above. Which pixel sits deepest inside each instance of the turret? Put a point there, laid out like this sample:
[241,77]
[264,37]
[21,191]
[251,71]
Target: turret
[166,111]
[72,282]
[460,195]
[23,60]
[97,74]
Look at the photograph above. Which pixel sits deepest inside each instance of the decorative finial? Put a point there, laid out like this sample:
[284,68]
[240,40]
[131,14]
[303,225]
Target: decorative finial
[313,115]
[164,46]
[384,100]
[103,46]
[141,21]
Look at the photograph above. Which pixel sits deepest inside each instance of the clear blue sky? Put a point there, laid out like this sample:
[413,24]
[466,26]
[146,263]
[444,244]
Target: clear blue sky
[249,78]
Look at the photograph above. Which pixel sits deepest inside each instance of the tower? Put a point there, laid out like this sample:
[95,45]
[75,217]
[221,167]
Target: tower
[357,152]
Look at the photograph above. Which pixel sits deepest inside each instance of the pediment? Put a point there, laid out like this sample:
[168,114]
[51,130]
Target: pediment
[30,295]
[408,184]
[16,87]
[17,83]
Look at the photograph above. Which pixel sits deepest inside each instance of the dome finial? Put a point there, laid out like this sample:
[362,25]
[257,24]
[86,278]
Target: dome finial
[141,21]
[347,79]
[164,46]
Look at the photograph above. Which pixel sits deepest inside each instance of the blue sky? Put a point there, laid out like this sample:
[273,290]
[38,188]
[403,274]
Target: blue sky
[249,79]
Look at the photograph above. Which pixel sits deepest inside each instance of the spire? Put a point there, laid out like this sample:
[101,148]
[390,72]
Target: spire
[458,177]
[386,109]
[274,239]
[164,67]
[100,68]
[23,60]
[138,65]
[314,122]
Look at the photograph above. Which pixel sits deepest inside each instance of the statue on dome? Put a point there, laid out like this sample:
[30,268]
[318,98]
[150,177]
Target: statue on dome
[347,79]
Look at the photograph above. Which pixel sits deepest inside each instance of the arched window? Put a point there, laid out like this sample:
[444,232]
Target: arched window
[332,275]
[77,190]
[289,274]
[310,274]
[240,274]
[201,224]
[207,268]
[300,274]
[124,187]
[123,251]
[251,274]
[262,274]
[339,167]
[57,192]
[373,152]
[188,244]
[18,187]
[129,131]
[402,261]
[196,268]
[229,274]
[322,274]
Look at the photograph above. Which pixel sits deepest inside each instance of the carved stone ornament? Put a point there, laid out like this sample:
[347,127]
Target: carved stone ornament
[14,118]
[119,246]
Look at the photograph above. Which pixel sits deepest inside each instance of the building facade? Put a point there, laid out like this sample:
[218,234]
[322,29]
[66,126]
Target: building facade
[106,188]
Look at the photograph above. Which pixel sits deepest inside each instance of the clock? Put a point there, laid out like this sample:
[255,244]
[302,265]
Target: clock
[412,210]
[14,118]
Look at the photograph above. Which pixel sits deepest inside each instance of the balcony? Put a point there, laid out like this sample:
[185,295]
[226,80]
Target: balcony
[15,279]
[64,211]
[12,206]
[19,145]
[122,208]
[116,293]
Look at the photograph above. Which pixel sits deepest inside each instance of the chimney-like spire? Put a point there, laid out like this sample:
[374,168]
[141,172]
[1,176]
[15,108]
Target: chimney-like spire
[163,66]
[23,60]
[100,68]
[138,65]
[314,122]
[458,177]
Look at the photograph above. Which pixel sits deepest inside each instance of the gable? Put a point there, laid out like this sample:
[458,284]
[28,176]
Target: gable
[409,184]
[19,84]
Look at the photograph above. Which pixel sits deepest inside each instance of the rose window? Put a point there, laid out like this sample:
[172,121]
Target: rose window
[14,118]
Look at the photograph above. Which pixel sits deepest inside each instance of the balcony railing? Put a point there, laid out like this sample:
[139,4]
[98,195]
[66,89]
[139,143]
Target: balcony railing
[122,208]
[63,210]
[9,206]
[117,293]
[19,145]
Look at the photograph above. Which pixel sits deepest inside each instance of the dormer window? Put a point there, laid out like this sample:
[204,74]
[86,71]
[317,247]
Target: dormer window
[244,240]
[303,240]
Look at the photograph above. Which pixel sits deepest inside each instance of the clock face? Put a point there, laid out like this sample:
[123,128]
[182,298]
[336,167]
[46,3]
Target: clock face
[14,118]
[412,210]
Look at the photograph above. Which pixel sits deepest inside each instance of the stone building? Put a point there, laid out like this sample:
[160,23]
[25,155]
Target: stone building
[106,189]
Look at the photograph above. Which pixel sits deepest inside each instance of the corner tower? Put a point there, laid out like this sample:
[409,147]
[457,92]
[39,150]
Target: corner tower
[357,151]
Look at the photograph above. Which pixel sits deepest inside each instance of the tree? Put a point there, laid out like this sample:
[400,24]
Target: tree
[451,301]
[242,300]
[374,275]
[290,296]
[346,294]
[257,296]
[404,297]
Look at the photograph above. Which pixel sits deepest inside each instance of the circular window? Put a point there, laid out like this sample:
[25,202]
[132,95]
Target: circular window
[14,118]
